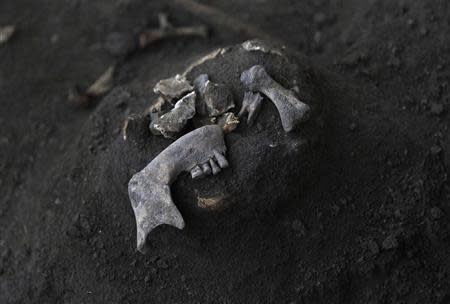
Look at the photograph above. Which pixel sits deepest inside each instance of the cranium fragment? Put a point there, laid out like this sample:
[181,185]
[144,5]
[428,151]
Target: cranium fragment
[173,88]
[174,121]
[214,98]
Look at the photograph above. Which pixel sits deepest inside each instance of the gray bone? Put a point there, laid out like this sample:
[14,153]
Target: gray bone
[214,98]
[173,122]
[292,111]
[149,189]
[251,105]
[173,88]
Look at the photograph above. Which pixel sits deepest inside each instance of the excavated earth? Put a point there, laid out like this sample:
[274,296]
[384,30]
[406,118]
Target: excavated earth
[359,214]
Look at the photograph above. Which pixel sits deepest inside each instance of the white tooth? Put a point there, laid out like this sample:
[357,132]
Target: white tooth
[214,167]
[223,163]
[196,172]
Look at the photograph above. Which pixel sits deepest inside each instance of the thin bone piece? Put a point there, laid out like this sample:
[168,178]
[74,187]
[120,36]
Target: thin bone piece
[6,33]
[166,30]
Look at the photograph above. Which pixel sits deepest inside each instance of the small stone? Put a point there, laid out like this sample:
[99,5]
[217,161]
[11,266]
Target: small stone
[423,31]
[373,247]
[437,109]
[353,126]
[58,201]
[435,150]
[298,226]
[317,37]
[390,242]
[162,264]
[436,213]
[411,22]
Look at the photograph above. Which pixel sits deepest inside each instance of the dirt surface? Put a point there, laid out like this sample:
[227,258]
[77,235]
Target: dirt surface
[373,228]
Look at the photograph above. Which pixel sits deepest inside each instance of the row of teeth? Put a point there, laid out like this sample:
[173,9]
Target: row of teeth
[214,166]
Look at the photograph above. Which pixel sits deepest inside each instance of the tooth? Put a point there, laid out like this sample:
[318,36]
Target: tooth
[206,168]
[292,111]
[251,104]
[196,172]
[214,167]
[223,163]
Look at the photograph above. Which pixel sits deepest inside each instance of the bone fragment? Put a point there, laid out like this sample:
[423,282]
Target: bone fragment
[6,32]
[214,98]
[173,88]
[167,30]
[261,46]
[251,105]
[292,111]
[207,57]
[228,121]
[149,189]
[174,121]
[103,84]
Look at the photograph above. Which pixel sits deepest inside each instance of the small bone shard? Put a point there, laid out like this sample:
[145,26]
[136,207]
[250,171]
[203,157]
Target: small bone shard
[251,105]
[149,189]
[228,122]
[174,121]
[103,84]
[215,99]
[259,45]
[173,88]
[167,30]
[6,33]
[292,111]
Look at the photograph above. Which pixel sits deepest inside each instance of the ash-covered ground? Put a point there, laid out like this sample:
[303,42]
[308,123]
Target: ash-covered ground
[372,226]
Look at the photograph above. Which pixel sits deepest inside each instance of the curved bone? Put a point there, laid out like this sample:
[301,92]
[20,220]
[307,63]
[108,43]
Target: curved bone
[292,111]
[149,189]
[196,172]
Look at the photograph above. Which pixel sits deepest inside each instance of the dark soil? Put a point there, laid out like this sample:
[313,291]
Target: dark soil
[373,227]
